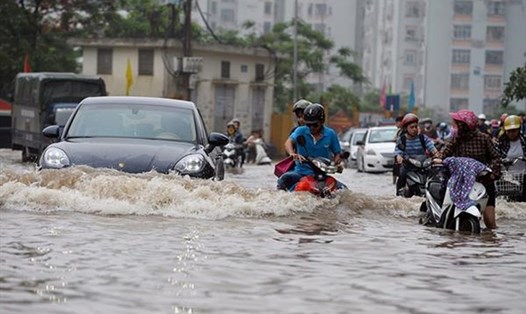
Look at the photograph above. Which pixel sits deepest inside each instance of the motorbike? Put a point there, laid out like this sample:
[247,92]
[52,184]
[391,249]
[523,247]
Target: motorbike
[511,183]
[232,156]
[321,183]
[439,209]
[261,155]
[417,172]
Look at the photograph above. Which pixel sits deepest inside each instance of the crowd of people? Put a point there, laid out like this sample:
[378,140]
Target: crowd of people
[468,135]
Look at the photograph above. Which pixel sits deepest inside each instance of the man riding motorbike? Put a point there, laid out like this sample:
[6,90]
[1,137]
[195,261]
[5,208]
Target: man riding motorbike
[320,141]
[298,109]
[410,144]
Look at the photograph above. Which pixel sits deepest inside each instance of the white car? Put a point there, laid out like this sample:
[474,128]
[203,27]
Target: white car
[376,151]
[348,143]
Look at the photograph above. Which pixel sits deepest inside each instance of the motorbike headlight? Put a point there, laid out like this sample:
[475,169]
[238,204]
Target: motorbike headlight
[55,158]
[371,152]
[190,164]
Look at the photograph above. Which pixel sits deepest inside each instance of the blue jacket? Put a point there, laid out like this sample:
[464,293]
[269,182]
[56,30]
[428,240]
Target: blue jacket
[327,146]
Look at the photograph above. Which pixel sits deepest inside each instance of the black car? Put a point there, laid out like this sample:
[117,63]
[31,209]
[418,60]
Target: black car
[134,135]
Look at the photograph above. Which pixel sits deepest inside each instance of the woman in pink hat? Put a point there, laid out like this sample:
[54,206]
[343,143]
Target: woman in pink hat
[470,142]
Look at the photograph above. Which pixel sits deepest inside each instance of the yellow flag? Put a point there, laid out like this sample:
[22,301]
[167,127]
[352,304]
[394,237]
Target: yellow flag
[129,78]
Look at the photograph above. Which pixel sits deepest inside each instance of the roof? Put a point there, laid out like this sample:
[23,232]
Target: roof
[57,75]
[140,100]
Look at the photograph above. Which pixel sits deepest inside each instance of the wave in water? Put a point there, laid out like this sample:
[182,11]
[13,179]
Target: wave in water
[110,192]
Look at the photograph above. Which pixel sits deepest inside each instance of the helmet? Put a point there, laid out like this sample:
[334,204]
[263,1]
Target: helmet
[426,120]
[503,117]
[231,123]
[482,116]
[442,125]
[300,105]
[494,123]
[466,116]
[314,113]
[408,119]
[512,122]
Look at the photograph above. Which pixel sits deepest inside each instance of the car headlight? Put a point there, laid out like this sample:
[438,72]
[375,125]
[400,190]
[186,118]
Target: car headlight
[55,158]
[190,164]
[371,152]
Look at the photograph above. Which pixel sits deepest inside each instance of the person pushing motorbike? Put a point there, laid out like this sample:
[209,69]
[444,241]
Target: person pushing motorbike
[410,144]
[470,142]
[319,141]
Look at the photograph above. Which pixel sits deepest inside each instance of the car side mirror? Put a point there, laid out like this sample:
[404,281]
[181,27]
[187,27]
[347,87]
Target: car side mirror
[52,131]
[360,143]
[215,139]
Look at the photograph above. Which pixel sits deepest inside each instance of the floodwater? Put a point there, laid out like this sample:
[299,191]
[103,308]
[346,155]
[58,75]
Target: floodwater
[85,240]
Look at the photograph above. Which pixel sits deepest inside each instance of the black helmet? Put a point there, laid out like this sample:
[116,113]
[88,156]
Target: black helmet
[300,105]
[314,113]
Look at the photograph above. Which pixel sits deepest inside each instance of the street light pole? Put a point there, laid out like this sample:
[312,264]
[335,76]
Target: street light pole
[187,44]
[295,57]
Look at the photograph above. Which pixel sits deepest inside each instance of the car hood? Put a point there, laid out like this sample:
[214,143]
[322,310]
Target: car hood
[134,156]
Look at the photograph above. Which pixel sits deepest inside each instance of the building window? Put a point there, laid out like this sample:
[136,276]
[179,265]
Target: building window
[492,82]
[321,9]
[460,81]
[225,69]
[145,61]
[214,7]
[412,9]
[309,9]
[410,33]
[461,56]
[260,72]
[410,57]
[496,8]
[494,57]
[267,27]
[104,60]
[227,15]
[244,68]
[462,32]
[463,7]
[455,104]
[490,106]
[495,33]
[268,7]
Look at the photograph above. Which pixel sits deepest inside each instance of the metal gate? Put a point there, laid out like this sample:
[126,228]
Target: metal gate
[225,97]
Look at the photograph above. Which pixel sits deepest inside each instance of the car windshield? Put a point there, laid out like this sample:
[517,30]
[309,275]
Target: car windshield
[382,135]
[133,121]
[358,136]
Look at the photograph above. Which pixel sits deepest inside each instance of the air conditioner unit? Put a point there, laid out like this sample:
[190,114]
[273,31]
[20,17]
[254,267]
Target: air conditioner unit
[177,64]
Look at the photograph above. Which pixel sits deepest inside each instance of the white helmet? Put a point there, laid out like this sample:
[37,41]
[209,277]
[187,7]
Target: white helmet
[482,116]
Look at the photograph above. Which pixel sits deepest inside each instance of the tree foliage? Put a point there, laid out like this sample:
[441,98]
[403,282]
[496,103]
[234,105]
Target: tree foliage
[515,89]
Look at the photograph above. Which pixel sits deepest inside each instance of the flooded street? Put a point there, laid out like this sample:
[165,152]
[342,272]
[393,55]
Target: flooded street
[85,240]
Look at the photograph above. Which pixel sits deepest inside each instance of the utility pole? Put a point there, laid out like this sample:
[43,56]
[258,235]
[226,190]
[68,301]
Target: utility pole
[187,44]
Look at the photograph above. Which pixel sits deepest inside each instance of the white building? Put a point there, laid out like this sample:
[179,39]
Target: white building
[474,55]
[232,82]
[458,52]
[393,45]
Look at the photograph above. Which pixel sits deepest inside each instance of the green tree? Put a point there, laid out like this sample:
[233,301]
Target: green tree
[515,88]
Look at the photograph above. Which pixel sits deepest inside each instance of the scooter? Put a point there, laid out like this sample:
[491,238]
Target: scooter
[511,184]
[417,173]
[441,212]
[231,156]
[321,183]
[261,155]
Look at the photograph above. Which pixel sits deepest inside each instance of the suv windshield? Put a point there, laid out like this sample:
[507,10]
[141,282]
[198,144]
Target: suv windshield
[382,135]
